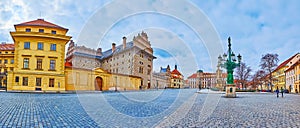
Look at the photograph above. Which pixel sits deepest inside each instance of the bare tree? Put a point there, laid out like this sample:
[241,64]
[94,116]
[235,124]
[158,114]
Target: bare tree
[242,74]
[268,63]
[259,78]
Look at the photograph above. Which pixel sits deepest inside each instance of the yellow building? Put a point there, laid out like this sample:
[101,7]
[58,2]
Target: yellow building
[39,57]
[176,79]
[83,72]
[79,79]
[292,74]
[279,78]
[6,61]
[297,77]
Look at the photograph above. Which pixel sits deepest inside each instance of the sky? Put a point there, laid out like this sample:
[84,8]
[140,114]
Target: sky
[189,33]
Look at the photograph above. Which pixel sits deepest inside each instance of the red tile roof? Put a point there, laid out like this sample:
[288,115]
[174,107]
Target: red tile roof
[193,76]
[7,47]
[40,22]
[292,66]
[208,73]
[285,62]
[175,71]
[68,64]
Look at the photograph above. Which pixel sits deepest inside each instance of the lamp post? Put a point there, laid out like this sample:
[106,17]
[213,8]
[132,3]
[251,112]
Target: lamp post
[116,85]
[199,85]
[229,63]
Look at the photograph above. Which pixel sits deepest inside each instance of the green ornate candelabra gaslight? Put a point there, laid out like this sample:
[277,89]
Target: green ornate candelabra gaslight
[228,61]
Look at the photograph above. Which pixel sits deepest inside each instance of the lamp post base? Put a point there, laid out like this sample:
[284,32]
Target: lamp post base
[230,91]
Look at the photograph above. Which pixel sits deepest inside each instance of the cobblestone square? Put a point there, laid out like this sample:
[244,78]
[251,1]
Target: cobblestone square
[155,108]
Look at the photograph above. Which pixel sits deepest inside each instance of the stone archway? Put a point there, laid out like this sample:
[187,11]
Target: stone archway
[98,83]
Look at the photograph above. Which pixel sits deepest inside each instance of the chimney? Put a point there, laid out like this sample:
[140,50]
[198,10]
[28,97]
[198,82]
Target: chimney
[176,66]
[124,42]
[71,44]
[113,48]
[99,52]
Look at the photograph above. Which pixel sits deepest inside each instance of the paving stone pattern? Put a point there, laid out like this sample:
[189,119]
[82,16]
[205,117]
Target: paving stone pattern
[171,109]
[248,110]
[42,110]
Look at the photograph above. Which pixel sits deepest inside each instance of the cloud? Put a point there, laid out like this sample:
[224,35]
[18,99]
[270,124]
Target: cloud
[256,27]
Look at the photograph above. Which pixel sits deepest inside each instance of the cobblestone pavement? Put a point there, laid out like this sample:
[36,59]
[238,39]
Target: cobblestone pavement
[42,110]
[248,110]
[162,108]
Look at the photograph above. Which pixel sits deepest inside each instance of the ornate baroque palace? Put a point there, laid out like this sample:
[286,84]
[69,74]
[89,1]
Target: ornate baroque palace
[36,62]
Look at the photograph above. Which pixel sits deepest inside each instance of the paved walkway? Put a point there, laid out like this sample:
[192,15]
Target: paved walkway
[42,110]
[162,108]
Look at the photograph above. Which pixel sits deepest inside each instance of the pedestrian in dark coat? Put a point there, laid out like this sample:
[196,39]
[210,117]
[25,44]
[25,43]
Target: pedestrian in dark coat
[277,91]
[281,92]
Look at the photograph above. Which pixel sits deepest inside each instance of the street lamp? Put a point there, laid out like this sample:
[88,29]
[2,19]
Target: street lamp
[116,88]
[229,63]
[199,84]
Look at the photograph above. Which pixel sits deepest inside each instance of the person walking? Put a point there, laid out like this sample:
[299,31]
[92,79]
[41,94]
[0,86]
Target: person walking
[277,91]
[281,92]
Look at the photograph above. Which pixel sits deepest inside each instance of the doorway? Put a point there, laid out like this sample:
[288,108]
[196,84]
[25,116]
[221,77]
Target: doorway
[98,83]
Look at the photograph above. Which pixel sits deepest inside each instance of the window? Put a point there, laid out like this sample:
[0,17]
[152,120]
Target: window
[51,82]
[40,46]
[26,63]
[12,61]
[52,64]
[17,79]
[39,63]
[6,52]
[53,47]
[53,32]
[12,52]
[38,81]
[5,61]
[140,69]
[25,81]
[26,45]
[41,30]
[0,61]
[11,69]
[28,30]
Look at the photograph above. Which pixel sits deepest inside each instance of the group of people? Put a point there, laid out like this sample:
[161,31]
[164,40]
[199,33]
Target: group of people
[281,90]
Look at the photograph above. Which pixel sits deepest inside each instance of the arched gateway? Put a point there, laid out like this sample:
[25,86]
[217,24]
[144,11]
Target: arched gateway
[98,83]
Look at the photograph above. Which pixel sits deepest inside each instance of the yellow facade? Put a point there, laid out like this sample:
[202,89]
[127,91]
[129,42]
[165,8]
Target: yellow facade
[176,83]
[39,57]
[6,62]
[279,78]
[99,80]
[297,77]
[176,79]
